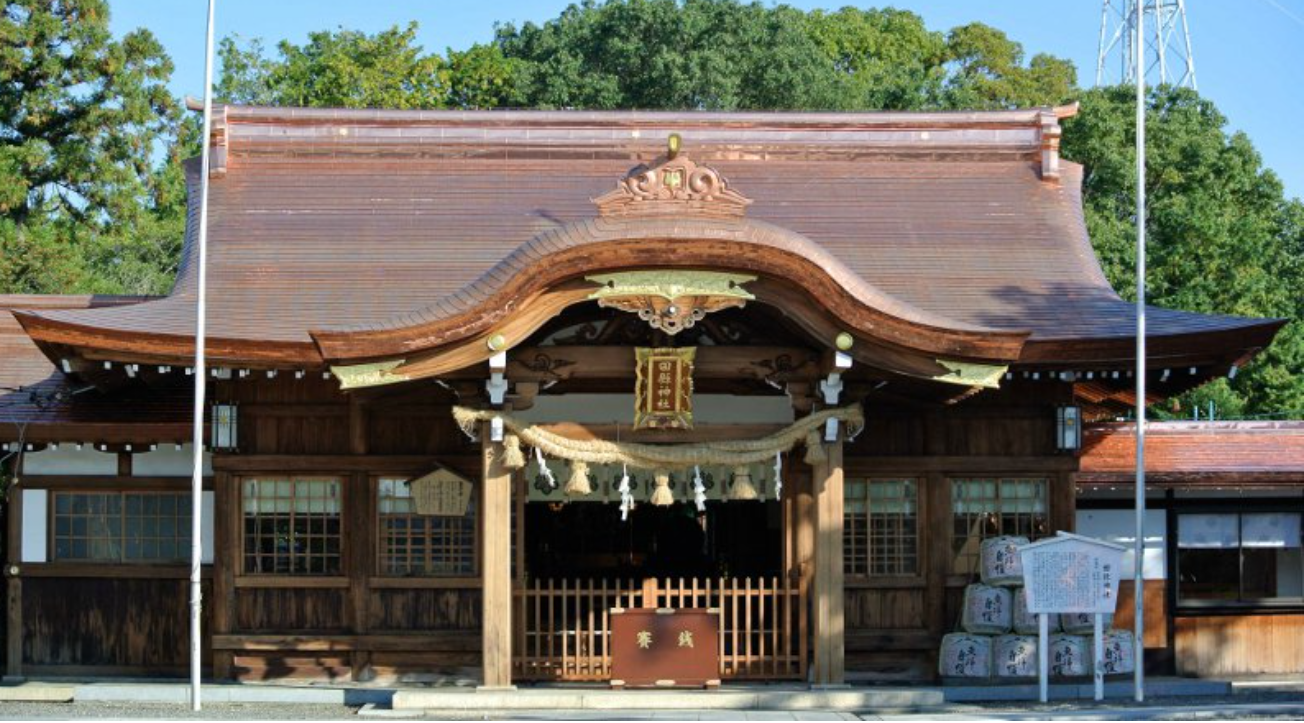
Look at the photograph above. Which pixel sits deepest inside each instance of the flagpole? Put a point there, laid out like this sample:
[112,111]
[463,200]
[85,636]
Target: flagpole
[1138,580]
[201,380]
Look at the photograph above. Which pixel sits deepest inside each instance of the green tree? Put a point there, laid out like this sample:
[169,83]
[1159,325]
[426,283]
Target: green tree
[81,116]
[699,54]
[351,69]
[1221,235]
[988,72]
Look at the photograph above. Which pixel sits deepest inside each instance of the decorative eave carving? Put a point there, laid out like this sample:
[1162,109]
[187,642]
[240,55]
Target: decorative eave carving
[671,300]
[674,185]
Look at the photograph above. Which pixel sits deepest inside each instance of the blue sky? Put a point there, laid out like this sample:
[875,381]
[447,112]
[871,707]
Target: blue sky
[1248,53]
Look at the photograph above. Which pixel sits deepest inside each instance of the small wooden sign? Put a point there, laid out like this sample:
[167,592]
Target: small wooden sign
[441,493]
[664,388]
[665,647]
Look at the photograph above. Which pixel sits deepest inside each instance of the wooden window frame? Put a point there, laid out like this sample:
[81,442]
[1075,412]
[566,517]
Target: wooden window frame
[1240,606]
[954,481]
[308,579]
[919,484]
[51,532]
[378,559]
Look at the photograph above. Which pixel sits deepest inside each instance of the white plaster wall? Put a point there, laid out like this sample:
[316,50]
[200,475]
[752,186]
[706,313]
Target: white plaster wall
[68,460]
[35,521]
[1119,526]
[168,461]
[619,409]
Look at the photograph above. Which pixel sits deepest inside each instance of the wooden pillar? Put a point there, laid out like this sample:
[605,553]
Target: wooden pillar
[496,565]
[803,506]
[14,585]
[227,519]
[828,593]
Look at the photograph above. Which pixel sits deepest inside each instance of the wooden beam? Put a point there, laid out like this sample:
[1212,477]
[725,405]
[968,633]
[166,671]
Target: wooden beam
[496,566]
[698,434]
[557,363]
[828,595]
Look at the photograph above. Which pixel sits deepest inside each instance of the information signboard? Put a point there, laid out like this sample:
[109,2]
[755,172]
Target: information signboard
[1071,574]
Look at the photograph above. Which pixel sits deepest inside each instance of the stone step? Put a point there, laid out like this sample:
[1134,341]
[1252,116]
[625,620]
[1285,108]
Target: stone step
[773,699]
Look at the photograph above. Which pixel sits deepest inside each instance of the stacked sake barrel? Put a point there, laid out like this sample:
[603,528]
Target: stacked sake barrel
[999,637]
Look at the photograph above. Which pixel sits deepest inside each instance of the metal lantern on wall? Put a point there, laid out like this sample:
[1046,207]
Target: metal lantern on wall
[224,422]
[1068,428]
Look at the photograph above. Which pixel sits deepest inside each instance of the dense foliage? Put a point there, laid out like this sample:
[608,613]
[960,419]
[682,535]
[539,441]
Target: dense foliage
[92,194]
[84,206]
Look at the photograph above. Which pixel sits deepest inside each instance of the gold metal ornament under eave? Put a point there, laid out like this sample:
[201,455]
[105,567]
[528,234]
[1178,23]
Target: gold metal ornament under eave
[671,300]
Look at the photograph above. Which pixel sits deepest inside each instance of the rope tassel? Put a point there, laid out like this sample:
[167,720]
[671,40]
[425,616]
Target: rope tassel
[578,485]
[661,494]
[513,457]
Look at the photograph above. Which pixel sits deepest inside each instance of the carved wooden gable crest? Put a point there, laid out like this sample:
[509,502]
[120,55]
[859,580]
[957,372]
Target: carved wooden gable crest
[673,185]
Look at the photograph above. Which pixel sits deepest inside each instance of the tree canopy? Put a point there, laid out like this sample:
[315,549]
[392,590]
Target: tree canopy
[91,184]
[83,204]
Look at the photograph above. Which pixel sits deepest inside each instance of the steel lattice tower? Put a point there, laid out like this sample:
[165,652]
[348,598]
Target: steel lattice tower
[1167,53]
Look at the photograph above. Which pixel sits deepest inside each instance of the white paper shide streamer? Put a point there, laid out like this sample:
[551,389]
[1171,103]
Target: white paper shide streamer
[626,497]
[778,476]
[544,470]
[699,490]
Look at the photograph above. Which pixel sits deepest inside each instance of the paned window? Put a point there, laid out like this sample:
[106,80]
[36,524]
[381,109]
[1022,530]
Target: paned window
[121,526]
[1252,557]
[421,545]
[880,529]
[292,526]
[991,507]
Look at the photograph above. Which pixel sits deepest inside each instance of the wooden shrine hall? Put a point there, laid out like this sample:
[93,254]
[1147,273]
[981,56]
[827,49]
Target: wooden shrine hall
[483,381]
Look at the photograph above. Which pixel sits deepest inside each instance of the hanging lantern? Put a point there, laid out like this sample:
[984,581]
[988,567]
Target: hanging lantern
[742,488]
[1068,428]
[224,429]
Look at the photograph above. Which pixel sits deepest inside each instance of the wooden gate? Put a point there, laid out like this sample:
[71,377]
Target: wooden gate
[562,629]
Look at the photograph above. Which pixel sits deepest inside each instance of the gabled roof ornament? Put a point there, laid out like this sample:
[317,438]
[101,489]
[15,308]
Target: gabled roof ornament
[674,185]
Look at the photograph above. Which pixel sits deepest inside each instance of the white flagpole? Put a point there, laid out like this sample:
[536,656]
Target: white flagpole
[201,379]
[1138,579]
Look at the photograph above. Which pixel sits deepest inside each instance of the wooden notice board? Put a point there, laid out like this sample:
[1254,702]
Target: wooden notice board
[665,647]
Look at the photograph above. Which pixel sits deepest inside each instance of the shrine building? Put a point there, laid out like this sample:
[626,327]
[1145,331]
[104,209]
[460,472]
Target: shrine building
[482,382]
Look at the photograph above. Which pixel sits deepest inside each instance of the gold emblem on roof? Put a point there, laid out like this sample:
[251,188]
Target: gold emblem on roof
[673,185]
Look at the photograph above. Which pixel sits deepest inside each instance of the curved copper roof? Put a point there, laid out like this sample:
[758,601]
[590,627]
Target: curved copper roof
[367,220]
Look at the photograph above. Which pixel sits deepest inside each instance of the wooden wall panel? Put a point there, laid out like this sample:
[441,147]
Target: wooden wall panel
[426,433]
[1230,645]
[885,608]
[290,610]
[136,624]
[892,435]
[1156,612]
[424,610]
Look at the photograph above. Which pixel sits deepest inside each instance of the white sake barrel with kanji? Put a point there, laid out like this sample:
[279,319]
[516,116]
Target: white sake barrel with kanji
[1025,623]
[1015,656]
[1070,656]
[965,656]
[1083,623]
[1120,651]
[1001,564]
[988,610]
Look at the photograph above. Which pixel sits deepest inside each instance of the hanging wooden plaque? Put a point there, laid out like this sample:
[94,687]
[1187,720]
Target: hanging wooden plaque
[663,389]
[441,494]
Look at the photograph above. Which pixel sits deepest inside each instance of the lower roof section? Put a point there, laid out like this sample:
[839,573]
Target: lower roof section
[1196,453]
